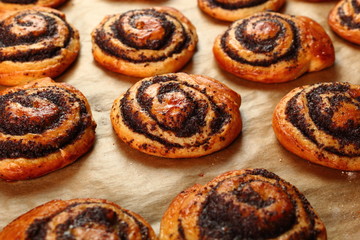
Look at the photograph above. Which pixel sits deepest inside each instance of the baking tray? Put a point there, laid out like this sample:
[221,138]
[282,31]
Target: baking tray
[147,184]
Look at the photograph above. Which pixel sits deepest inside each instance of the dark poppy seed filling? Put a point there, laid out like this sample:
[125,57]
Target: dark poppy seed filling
[187,122]
[237,4]
[324,103]
[24,20]
[260,45]
[92,217]
[132,20]
[247,204]
[349,20]
[245,212]
[20,1]
[37,111]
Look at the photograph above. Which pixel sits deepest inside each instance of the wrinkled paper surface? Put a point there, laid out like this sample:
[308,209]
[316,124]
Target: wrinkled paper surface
[147,184]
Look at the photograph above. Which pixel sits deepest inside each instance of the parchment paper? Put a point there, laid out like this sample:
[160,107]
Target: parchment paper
[146,184]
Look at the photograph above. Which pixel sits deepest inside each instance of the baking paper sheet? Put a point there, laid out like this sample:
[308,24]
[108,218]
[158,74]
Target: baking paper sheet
[146,184]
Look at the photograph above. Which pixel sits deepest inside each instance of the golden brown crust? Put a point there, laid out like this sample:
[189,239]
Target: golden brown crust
[321,123]
[86,218]
[144,42]
[44,126]
[7,5]
[177,115]
[46,47]
[242,204]
[344,20]
[232,10]
[272,47]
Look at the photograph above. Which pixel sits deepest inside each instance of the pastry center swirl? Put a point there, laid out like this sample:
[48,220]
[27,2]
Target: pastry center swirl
[166,106]
[29,115]
[34,123]
[32,36]
[172,108]
[144,31]
[141,36]
[333,110]
[262,40]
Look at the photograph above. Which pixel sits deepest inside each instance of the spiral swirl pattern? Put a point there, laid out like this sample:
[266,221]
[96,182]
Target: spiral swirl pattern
[243,204]
[40,121]
[344,20]
[273,47]
[158,39]
[80,219]
[327,116]
[177,115]
[232,10]
[35,43]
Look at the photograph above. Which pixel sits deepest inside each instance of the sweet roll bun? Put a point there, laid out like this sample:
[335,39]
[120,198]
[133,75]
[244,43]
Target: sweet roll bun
[321,123]
[144,42]
[44,126]
[344,19]
[272,47]
[79,219]
[36,43]
[242,204]
[177,115]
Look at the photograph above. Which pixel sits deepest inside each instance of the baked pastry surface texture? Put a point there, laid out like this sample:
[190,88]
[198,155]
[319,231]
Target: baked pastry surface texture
[272,47]
[22,4]
[177,115]
[144,42]
[232,10]
[321,123]
[344,19]
[36,43]
[79,219]
[44,126]
[242,204]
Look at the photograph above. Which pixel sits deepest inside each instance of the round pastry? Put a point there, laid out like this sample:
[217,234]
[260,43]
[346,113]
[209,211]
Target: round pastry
[321,123]
[242,204]
[177,115]
[271,47]
[144,42]
[79,219]
[22,4]
[35,43]
[232,10]
[344,19]
[44,126]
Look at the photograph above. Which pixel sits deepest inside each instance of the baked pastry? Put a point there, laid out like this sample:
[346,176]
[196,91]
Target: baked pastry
[177,115]
[321,123]
[232,10]
[79,219]
[242,204]
[36,43]
[344,20]
[272,47]
[22,4]
[44,126]
[144,42]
